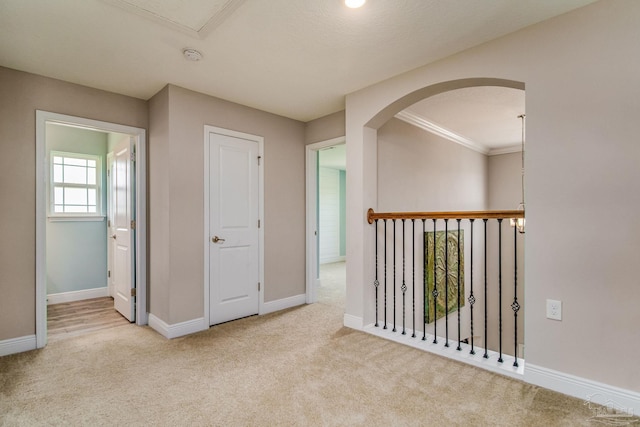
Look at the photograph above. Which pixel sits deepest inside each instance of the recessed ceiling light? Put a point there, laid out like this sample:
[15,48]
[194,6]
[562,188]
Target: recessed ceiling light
[354,4]
[192,54]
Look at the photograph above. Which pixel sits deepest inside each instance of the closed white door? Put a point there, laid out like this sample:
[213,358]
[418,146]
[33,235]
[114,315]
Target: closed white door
[233,223]
[121,226]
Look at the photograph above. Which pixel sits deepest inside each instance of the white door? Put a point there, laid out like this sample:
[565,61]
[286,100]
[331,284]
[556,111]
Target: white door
[123,235]
[110,224]
[233,223]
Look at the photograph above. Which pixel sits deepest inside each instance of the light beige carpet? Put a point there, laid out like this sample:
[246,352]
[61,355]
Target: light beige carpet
[293,368]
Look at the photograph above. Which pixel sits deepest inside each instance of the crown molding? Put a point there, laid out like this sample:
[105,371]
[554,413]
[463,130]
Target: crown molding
[429,126]
[436,129]
[515,148]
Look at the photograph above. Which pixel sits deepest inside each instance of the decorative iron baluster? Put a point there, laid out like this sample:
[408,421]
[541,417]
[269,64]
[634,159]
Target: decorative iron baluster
[385,274]
[515,306]
[446,282]
[500,287]
[376,283]
[404,284]
[458,348]
[425,289]
[486,340]
[435,288]
[472,298]
[413,276]
[394,276]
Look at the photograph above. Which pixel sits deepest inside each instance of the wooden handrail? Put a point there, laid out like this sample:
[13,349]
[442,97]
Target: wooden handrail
[372,216]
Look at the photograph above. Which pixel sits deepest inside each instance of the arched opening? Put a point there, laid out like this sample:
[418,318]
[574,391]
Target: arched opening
[385,159]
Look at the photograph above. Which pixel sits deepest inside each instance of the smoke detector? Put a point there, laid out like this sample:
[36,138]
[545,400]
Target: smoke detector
[191,54]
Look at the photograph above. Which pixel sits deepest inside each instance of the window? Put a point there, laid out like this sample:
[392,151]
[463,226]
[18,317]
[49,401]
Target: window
[75,184]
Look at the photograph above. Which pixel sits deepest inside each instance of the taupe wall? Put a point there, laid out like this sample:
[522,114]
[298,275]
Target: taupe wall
[419,171]
[580,71]
[177,198]
[21,94]
[325,128]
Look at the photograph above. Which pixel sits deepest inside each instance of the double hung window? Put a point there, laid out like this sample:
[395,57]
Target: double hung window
[75,184]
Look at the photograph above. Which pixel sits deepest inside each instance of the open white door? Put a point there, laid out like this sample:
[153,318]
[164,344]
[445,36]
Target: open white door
[234,254]
[123,235]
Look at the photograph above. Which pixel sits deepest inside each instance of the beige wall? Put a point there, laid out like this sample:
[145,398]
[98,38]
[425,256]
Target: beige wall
[159,204]
[21,94]
[580,71]
[419,171]
[325,128]
[177,198]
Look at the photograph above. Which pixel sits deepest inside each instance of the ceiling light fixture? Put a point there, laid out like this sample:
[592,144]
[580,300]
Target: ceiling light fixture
[354,4]
[191,54]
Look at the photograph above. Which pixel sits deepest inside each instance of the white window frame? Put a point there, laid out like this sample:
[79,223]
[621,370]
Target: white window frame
[76,216]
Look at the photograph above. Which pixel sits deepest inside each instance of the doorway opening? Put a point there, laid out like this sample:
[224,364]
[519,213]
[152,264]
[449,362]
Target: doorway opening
[326,222]
[90,216]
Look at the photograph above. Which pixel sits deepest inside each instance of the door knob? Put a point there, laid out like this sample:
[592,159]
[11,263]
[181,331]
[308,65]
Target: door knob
[216,239]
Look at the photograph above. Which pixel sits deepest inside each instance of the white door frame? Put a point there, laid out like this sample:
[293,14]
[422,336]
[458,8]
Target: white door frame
[207,233]
[42,117]
[312,217]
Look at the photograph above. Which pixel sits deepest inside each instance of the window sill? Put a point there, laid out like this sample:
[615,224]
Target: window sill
[76,218]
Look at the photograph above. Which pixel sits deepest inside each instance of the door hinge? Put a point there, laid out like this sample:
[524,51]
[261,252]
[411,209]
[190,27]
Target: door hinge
[108,223]
[108,273]
[258,286]
[259,158]
[258,223]
[133,224]
[133,292]
[133,156]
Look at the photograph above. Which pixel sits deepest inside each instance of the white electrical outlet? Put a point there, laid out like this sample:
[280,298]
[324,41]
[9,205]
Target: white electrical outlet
[554,309]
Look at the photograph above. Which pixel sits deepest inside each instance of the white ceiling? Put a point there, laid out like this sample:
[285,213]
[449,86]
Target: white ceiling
[293,58]
[484,119]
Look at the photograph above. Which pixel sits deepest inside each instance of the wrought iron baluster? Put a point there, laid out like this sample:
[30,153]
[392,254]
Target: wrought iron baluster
[385,274]
[458,348]
[486,340]
[500,287]
[435,288]
[425,289]
[376,283]
[515,306]
[394,276]
[446,283]
[404,284]
[472,298]
[413,276]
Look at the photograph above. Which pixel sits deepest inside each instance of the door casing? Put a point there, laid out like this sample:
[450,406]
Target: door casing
[207,231]
[42,118]
[312,269]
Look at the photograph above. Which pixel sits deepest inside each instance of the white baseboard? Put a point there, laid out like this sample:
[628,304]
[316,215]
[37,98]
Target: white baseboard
[284,303]
[178,329]
[353,322]
[17,345]
[477,359]
[624,401]
[77,295]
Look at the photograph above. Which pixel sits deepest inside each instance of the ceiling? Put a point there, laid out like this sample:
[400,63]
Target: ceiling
[296,58]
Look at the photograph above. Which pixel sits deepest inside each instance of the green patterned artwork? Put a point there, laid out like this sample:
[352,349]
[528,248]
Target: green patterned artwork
[441,271]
